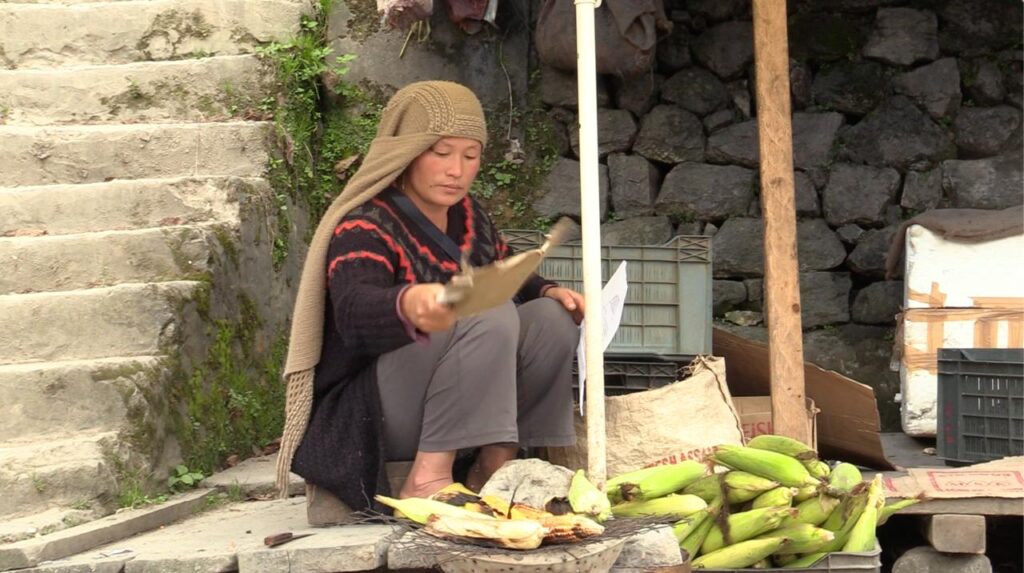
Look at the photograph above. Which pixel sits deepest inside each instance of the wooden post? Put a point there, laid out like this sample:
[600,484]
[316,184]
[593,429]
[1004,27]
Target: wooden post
[781,275]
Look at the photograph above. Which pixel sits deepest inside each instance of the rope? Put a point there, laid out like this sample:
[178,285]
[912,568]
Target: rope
[297,410]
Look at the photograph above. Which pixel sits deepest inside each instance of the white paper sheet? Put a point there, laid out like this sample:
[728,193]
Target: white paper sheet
[613,299]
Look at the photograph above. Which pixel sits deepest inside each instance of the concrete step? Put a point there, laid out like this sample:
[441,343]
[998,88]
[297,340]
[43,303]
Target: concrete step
[55,470]
[74,395]
[49,35]
[93,153]
[87,260]
[124,205]
[206,89]
[123,320]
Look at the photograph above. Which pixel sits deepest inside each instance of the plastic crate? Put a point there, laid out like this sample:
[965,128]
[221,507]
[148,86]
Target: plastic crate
[981,404]
[625,377]
[668,306]
[837,562]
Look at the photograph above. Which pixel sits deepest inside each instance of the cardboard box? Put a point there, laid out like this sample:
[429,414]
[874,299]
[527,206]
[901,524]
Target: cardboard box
[847,421]
[925,331]
[756,416]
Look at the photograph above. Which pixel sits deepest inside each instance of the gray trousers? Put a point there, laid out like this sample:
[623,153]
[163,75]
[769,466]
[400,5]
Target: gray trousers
[503,376]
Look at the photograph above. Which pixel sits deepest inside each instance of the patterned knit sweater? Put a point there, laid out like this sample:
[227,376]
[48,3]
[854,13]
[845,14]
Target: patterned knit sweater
[376,252]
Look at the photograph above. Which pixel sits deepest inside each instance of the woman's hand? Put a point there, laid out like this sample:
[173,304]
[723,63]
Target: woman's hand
[420,307]
[570,299]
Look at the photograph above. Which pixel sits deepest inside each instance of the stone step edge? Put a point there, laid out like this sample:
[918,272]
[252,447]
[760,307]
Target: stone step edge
[206,226]
[67,542]
[125,127]
[127,66]
[156,181]
[19,367]
[93,292]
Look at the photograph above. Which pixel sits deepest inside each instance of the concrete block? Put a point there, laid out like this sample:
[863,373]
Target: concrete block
[349,548]
[31,552]
[928,560]
[94,153]
[55,34]
[651,548]
[202,89]
[956,533]
[255,477]
[124,320]
[124,205]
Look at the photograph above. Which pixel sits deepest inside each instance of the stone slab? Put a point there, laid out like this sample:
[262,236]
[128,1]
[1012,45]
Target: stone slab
[124,205]
[255,477]
[956,533]
[85,537]
[94,153]
[928,560]
[650,548]
[329,550]
[124,320]
[205,89]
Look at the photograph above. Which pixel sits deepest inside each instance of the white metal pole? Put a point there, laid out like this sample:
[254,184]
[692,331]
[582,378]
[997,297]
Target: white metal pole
[590,210]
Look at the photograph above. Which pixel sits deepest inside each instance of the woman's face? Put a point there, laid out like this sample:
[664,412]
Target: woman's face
[442,175]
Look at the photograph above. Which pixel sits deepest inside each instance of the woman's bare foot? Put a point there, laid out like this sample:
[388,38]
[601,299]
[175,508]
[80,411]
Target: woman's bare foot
[489,459]
[430,472]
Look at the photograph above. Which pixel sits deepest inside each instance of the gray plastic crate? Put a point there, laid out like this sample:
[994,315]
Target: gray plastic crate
[838,562]
[626,377]
[981,404]
[668,306]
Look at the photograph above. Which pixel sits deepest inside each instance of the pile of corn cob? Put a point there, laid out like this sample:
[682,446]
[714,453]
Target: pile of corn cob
[458,513]
[778,505]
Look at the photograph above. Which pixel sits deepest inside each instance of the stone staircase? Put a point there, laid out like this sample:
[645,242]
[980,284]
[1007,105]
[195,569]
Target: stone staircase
[134,206]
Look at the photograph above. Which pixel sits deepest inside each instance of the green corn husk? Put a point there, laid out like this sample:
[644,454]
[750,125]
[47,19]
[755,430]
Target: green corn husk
[696,538]
[685,526]
[889,509]
[814,511]
[767,464]
[806,560]
[817,468]
[803,538]
[654,482]
[779,497]
[783,445]
[862,535]
[740,555]
[739,486]
[805,493]
[673,506]
[843,478]
[745,525]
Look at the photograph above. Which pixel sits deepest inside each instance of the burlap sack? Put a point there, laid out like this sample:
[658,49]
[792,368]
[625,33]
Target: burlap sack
[681,421]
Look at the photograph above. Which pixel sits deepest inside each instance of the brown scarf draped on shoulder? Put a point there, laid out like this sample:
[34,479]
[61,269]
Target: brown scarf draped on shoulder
[415,118]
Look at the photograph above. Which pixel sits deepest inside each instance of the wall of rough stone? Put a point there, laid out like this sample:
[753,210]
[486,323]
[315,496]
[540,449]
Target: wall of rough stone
[899,107]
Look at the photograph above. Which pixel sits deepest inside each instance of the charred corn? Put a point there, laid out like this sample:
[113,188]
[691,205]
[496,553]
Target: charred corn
[523,511]
[743,526]
[783,445]
[813,511]
[862,536]
[817,468]
[569,528]
[499,505]
[806,560]
[696,538]
[674,506]
[654,482]
[739,486]
[740,555]
[507,533]
[685,526]
[889,509]
[585,498]
[420,509]
[803,538]
[843,478]
[779,497]
[767,464]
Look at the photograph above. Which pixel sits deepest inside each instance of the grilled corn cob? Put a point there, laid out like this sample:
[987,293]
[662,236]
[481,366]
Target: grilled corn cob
[569,528]
[419,509]
[675,506]
[814,511]
[743,526]
[739,486]
[779,497]
[507,533]
[783,445]
[890,508]
[585,498]
[523,511]
[740,555]
[803,538]
[771,465]
[654,482]
[499,505]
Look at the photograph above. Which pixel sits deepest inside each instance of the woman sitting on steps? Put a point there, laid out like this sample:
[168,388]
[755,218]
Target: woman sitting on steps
[378,370]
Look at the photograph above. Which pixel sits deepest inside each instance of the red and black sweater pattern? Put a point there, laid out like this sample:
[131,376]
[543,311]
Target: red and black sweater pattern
[376,252]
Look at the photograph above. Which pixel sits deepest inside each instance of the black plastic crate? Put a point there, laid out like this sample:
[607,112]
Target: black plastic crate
[981,404]
[628,376]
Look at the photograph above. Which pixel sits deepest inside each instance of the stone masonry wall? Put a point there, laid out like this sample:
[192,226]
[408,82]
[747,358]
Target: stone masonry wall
[898,107]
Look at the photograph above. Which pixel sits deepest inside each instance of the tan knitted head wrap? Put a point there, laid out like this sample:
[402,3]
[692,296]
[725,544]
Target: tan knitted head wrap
[415,118]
